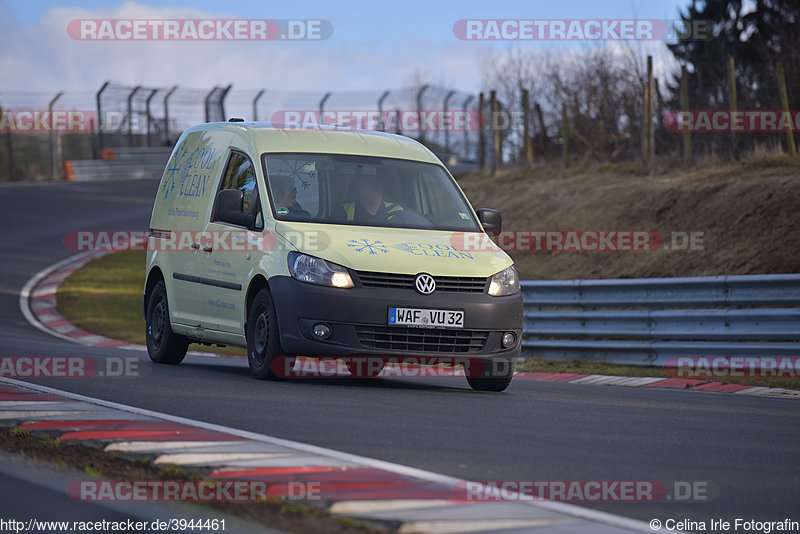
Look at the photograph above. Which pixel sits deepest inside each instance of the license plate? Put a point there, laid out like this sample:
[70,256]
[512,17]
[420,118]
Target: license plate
[426,318]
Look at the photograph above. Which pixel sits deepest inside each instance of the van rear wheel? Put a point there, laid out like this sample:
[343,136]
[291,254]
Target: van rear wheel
[263,344]
[163,345]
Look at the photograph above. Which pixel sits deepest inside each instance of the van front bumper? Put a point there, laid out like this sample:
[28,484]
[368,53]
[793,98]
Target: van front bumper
[358,322]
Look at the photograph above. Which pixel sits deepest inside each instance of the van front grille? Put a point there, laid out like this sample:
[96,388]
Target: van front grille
[421,339]
[461,284]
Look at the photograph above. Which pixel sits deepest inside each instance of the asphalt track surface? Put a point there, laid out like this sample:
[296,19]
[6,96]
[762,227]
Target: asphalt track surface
[743,450]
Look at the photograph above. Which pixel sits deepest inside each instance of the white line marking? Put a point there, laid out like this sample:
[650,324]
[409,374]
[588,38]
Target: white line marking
[25,293]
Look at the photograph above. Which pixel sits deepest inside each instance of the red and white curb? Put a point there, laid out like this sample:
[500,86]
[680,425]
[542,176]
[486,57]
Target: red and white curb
[408,499]
[38,304]
[685,384]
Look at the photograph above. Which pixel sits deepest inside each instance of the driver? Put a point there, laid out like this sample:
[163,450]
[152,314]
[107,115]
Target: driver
[284,193]
[369,205]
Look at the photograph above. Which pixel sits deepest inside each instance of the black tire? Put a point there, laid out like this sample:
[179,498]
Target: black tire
[496,375]
[367,369]
[163,345]
[263,343]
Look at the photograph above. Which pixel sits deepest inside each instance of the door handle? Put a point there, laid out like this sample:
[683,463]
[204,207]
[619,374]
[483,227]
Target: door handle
[207,248]
[195,246]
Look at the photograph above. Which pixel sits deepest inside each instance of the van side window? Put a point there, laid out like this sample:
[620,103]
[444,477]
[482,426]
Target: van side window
[239,174]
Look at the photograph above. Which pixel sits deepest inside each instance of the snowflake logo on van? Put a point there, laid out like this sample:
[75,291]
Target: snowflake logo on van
[371,247]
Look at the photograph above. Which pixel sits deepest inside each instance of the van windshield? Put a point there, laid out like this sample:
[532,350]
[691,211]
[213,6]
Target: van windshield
[365,191]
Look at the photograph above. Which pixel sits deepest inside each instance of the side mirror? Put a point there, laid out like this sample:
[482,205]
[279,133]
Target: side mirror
[491,220]
[229,208]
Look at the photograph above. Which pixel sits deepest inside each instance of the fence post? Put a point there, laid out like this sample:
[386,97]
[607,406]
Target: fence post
[419,112]
[646,127]
[166,113]
[482,133]
[542,127]
[651,95]
[53,157]
[526,133]
[565,134]
[734,102]
[382,124]
[100,116]
[322,107]
[147,110]
[496,155]
[687,135]
[222,101]
[255,105]
[130,114]
[206,102]
[447,130]
[785,102]
[469,99]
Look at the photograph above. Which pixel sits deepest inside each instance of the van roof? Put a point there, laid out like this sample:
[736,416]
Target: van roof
[276,137]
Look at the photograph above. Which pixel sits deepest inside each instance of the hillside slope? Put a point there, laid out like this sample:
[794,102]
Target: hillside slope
[747,216]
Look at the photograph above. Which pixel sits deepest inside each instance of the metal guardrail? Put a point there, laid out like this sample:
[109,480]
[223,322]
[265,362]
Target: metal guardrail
[120,163]
[646,321]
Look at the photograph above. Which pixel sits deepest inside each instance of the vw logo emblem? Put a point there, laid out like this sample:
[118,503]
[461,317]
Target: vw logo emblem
[425,284]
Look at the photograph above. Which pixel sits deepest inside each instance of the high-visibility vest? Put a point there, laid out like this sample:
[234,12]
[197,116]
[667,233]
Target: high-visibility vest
[391,209]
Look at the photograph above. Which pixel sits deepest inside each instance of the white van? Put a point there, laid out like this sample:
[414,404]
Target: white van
[325,243]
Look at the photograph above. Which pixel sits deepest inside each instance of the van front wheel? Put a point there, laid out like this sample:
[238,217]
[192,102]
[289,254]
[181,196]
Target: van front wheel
[163,345]
[494,375]
[263,345]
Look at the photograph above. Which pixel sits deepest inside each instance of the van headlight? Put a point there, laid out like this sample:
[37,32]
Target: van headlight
[318,271]
[506,282]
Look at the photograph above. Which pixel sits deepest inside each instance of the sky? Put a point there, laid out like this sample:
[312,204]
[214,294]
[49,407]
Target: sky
[374,45]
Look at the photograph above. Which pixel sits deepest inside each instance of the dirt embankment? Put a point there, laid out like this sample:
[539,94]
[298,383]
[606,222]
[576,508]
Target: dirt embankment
[745,217]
